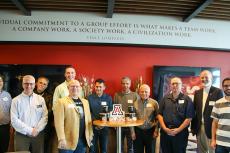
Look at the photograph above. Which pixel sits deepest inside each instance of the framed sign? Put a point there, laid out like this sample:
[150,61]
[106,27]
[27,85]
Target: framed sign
[189,76]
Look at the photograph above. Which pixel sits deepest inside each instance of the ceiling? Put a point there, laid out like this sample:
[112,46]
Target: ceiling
[185,9]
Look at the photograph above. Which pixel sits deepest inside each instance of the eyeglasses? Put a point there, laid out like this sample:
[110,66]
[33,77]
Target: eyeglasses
[175,83]
[74,86]
[29,84]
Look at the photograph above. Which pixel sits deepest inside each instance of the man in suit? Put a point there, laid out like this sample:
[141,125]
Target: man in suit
[204,100]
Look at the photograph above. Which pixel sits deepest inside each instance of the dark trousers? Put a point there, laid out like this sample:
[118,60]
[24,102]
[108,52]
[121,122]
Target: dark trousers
[125,132]
[101,136]
[174,144]
[81,147]
[24,143]
[49,133]
[222,149]
[144,141]
[4,137]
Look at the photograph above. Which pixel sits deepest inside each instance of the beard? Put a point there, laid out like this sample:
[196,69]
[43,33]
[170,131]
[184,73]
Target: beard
[206,83]
[227,92]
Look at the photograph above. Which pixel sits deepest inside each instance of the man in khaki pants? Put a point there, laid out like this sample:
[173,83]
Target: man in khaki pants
[204,100]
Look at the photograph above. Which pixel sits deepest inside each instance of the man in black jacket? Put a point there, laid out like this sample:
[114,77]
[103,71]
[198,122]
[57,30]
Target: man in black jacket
[41,89]
[204,100]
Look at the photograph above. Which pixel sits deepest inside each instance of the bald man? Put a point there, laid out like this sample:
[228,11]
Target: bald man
[72,120]
[204,100]
[176,111]
[146,109]
[29,117]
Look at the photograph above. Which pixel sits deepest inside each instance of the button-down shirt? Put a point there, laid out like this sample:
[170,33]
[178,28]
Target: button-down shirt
[204,99]
[5,103]
[62,91]
[147,110]
[96,104]
[28,112]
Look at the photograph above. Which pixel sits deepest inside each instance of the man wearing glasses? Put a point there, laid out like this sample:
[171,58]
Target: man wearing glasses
[29,117]
[176,111]
[221,118]
[73,122]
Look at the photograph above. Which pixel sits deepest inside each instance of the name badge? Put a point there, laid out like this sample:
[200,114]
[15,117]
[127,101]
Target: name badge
[149,105]
[103,103]
[211,103]
[181,102]
[5,99]
[130,101]
[71,105]
[39,106]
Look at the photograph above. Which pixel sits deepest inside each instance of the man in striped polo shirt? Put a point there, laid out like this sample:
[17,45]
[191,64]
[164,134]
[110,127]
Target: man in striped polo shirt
[221,121]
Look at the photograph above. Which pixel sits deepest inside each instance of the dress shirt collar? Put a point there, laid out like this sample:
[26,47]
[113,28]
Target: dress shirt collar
[206,89]
[24,95]
[180,96]
[144,100]
[102,96]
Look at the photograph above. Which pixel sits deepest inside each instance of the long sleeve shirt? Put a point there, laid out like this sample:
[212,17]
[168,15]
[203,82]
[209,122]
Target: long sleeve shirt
[5,103]
[62,91]
[28,112]
[96,104]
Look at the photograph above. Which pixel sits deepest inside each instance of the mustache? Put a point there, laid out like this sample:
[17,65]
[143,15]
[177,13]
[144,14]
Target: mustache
[204,81]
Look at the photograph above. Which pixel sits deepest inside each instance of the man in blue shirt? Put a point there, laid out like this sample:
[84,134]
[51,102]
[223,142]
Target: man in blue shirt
[176,111]
[5,103]
[97,101]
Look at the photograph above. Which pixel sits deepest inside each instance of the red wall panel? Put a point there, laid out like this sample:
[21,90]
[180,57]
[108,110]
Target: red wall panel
[112,62]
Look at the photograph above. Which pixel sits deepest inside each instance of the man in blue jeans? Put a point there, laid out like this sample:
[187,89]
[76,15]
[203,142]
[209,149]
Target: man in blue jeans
[221,118]
[97,101]
[73,122]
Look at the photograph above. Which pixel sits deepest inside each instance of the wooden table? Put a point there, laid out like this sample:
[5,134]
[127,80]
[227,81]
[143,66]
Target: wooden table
[118,125]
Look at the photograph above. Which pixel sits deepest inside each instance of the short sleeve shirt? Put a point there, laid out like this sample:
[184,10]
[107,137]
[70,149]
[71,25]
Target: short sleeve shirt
[175,111]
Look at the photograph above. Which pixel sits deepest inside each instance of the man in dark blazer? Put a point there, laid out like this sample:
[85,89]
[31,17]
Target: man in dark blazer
[204,100]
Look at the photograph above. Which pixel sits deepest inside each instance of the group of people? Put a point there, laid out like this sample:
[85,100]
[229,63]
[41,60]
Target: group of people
[35,115]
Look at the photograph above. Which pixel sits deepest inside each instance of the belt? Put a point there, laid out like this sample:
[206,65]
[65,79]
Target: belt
[5,125]
[172,126]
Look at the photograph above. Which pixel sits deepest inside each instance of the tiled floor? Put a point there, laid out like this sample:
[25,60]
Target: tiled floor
[191,148]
